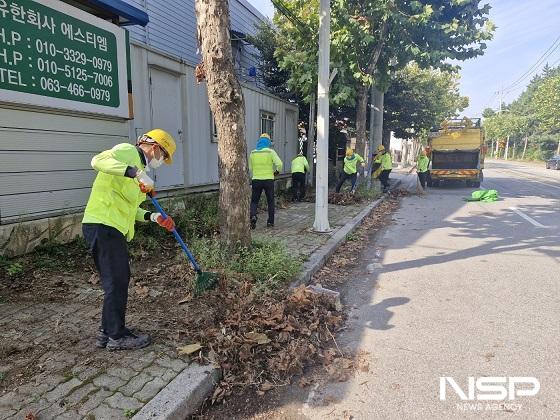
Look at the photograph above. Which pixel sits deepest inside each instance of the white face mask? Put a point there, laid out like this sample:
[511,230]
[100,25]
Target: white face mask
[155,163]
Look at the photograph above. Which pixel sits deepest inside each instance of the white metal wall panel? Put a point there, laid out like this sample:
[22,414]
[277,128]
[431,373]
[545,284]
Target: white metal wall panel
[201,153]
[45,160]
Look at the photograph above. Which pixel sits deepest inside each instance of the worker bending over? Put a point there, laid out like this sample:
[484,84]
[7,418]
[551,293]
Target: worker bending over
[386,162]
[264,164]
[350,170]
[112,210]
[299,167]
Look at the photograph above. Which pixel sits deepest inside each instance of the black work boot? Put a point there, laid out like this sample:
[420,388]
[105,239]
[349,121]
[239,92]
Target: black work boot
[253,222]
[269,224]
[130,341]
[101,339]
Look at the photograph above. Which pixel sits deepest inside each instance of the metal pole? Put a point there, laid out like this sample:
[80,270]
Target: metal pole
[311,139]
[322,171]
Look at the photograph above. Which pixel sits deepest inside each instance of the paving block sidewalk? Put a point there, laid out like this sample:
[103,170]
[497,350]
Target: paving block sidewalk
[75,380]
[294,226]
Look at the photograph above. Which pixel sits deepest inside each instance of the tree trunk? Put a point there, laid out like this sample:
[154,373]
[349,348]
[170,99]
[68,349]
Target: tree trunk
[361,119]
[525,148]
[558,149]
[507,149]
[227,105]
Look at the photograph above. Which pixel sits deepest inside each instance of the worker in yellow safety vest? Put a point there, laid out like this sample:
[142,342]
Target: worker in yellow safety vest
[264,164]
[386,165]
[350,170]
[300,166]
[422,168]
[113,208]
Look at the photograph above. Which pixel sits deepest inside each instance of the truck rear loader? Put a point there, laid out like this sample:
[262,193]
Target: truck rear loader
[456,151]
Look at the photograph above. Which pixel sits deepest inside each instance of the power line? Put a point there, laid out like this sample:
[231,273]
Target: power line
[535,66]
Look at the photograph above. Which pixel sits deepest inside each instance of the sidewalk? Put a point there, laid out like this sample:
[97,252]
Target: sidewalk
[53,370]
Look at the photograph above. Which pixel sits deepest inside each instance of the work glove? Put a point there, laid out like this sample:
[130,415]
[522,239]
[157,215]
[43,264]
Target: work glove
[145,183]
[166,223]
[276,173]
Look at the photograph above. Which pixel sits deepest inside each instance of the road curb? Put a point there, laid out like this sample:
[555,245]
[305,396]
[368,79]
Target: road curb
[318,259]
[184,394]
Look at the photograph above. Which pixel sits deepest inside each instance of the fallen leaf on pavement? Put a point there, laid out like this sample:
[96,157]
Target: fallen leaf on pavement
[189,349]
[347,415]
[141,291]
[30,416]
[267,386]
[303,382]
[258,338]
[186,299]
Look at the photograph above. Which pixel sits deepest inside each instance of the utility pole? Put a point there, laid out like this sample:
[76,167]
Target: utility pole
[507,148]
[311,139]
[322,170]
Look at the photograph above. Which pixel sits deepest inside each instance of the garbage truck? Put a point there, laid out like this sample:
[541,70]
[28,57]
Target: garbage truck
[456,150]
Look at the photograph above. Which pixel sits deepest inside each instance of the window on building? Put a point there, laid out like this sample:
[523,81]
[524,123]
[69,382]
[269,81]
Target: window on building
[213,129]
[267,124]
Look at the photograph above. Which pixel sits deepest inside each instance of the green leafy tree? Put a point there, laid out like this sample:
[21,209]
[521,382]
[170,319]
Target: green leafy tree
[547,105]
[370,40]
[420,99]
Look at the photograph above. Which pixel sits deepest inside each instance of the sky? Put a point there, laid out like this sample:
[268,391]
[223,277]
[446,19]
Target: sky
[525,30]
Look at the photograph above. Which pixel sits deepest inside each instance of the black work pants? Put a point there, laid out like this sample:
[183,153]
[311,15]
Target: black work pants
[423,176]
[343,177]
[384,178]
[110,254]
[298,185]
[258,185]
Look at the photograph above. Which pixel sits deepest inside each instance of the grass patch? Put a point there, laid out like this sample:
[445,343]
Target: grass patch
[365,193]
[267,263]
[129,413]
[3,375]
[352,237]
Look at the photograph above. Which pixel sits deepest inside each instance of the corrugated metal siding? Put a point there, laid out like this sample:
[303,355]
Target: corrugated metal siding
[45,160]
[138,32]
[172,29]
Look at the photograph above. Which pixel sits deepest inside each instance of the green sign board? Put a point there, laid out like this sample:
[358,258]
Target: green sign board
[62,56]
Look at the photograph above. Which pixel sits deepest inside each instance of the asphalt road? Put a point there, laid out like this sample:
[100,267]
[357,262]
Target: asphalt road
[455,289]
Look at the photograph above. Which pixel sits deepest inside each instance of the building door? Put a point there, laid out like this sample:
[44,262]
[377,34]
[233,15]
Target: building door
[167,113]
[290,141]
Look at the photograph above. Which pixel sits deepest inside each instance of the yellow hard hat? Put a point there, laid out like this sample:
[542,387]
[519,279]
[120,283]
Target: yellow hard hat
[349,152]
[265,135]
[380,148]
[164,140]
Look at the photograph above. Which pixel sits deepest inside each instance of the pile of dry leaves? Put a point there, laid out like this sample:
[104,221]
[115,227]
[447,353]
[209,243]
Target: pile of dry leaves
[344,198]
[264,341]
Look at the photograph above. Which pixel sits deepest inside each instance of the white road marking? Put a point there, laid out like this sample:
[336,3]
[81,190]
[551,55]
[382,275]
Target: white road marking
[529,219]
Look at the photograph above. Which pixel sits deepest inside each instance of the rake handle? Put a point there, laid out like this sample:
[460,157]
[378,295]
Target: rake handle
[177,236]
